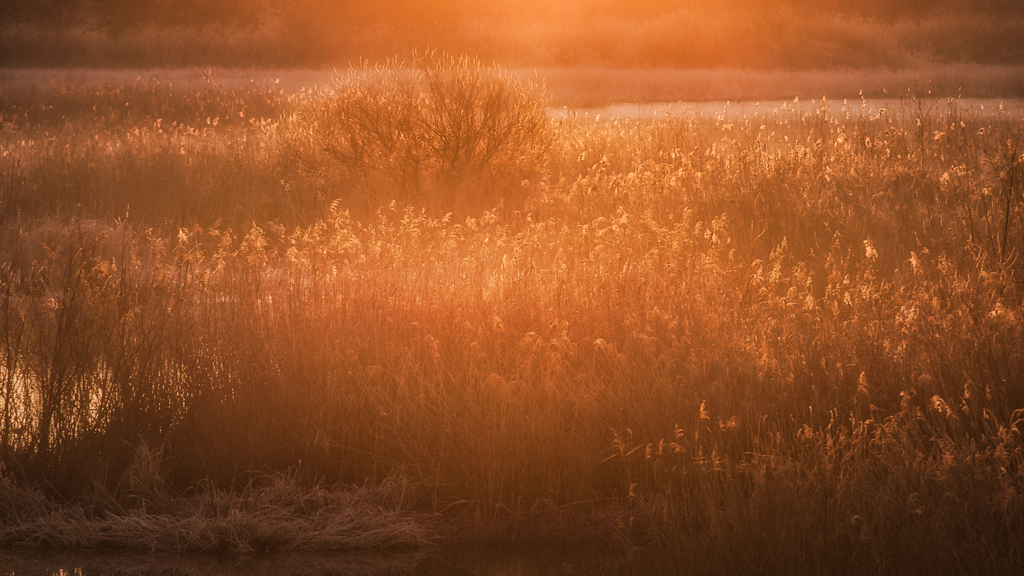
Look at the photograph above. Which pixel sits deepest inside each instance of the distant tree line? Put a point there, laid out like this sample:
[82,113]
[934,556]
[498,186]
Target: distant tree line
[120,15]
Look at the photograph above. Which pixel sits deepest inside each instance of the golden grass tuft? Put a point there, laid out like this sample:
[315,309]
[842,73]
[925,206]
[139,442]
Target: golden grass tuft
[273,513]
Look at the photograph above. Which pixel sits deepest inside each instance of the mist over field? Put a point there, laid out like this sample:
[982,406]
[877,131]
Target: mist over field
[771,34]
[714,288]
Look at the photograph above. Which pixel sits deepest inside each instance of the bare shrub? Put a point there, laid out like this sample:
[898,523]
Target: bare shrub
[443,132]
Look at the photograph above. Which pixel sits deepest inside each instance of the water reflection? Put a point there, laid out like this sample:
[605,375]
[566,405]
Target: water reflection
[1006,108]
[463,562]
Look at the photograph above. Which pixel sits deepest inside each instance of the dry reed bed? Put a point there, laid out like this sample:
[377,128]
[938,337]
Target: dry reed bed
[749,341]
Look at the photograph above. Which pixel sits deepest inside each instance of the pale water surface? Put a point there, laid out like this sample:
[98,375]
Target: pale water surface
[1005,108]
[293,81]
[464,562]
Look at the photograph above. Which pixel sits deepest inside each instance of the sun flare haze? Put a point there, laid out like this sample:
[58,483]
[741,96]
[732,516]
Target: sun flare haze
[768,34]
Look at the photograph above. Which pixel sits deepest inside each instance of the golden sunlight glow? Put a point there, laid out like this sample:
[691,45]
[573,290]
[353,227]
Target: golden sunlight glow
[705,286]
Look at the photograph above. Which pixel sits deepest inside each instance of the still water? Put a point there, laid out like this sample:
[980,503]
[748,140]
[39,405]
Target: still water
[463,562]
[841,109]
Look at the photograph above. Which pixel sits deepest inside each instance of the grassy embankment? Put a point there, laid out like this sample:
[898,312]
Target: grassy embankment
[785,340]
